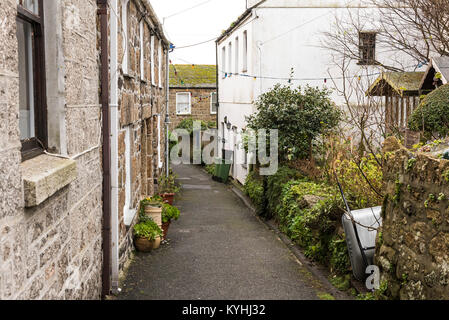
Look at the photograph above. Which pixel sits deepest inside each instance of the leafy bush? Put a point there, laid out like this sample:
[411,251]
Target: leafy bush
[254,189]
[169,213]
[168,184]
[357,190]
[432,116]
[309,214]
[187,124]
[148,230]
[275,184]
[300,115]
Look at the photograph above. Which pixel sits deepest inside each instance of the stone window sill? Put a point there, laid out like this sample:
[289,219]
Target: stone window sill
[45,175]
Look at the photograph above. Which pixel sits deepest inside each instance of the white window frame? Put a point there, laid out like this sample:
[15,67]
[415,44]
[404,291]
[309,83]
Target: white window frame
[153,80]
[125,60]
[245,52]
[190,103]
[159,142]
[160,63]
[142,52]
[237,52]
[212,103]
[223,61]
[230,57]
[128,212]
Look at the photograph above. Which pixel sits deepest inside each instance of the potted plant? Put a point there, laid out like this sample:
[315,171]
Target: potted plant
[147,235]
[152,208]
[169,213]
[168,187]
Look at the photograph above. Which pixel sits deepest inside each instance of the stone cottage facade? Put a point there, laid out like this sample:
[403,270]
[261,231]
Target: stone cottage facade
[52,165]
[141,91]
[50,206]
[193,91]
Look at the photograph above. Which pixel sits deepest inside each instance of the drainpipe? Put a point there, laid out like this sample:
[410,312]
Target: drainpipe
[114,71]
[218,94]
[106,281]
[167,114]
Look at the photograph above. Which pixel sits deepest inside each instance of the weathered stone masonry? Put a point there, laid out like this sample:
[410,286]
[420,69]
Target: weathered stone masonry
[53,250]
[413,244]
[142,112]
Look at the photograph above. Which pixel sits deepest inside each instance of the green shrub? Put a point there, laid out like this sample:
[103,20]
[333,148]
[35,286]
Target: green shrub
[339,261]
[254,189]
[312,225]
[169,213]
[357,190]
[275,184]
[148,230]
[432,116]
[300,114]
[187,124]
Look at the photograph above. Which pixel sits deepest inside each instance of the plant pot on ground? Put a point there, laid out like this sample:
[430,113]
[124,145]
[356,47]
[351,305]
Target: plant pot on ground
[169,213]
[152,208]
[147,236]
[168,188]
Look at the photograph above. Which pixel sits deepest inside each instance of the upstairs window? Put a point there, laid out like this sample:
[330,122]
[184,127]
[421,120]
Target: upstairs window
[245,52]
[32,87]
[142,51]
[183,103]
[213,103]
[159,53]
[237,52]
[367,48]
[223,61]
[125,33]
[230,57]
[153,80]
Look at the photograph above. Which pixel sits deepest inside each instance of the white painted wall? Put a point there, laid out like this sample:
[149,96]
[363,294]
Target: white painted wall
[286,34]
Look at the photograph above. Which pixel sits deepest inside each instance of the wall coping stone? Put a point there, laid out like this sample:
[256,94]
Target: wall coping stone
[44,175]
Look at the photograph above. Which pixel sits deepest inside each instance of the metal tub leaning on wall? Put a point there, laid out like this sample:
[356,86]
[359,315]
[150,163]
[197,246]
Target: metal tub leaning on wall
[361,232]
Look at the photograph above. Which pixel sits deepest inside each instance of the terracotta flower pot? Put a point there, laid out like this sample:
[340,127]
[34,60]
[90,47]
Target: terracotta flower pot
[145,245]
[154,213]
[165,227]
[168,198]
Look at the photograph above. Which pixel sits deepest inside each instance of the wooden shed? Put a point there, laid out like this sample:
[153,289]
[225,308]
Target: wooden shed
[401,91]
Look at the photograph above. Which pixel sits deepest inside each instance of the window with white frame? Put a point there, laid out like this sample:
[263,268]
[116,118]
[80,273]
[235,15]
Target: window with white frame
[245,52]
[153,80]
[230,57]
[183,103]
[236,61]
[213,103]
[223,61]
[160,63]
[125,60]
[128,211]
[142,52]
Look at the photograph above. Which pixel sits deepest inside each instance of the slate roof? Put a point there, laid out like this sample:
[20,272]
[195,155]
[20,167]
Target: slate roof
[437,65]
[193,76]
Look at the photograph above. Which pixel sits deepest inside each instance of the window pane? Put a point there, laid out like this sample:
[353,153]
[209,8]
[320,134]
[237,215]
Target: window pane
[26,93]
[213,102]
[31,5]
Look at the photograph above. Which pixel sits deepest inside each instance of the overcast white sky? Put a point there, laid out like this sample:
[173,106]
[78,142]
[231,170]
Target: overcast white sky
[199,24]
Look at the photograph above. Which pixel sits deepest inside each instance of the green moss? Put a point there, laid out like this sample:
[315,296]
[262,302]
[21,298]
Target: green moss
[342,283]
[325,296]
[446,176]
[191,76]
[397,193]
[410,164]
[441,197]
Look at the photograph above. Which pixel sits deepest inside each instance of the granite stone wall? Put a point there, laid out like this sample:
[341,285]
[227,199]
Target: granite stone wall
[53,250]
[413,244]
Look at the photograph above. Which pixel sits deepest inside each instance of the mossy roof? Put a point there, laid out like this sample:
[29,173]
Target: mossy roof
[403,83]
[193,76]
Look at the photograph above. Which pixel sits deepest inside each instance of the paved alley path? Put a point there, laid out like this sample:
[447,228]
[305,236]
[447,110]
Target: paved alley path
[218,250]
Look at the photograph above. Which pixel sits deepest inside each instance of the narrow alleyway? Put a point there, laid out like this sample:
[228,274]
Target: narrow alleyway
[217,250]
